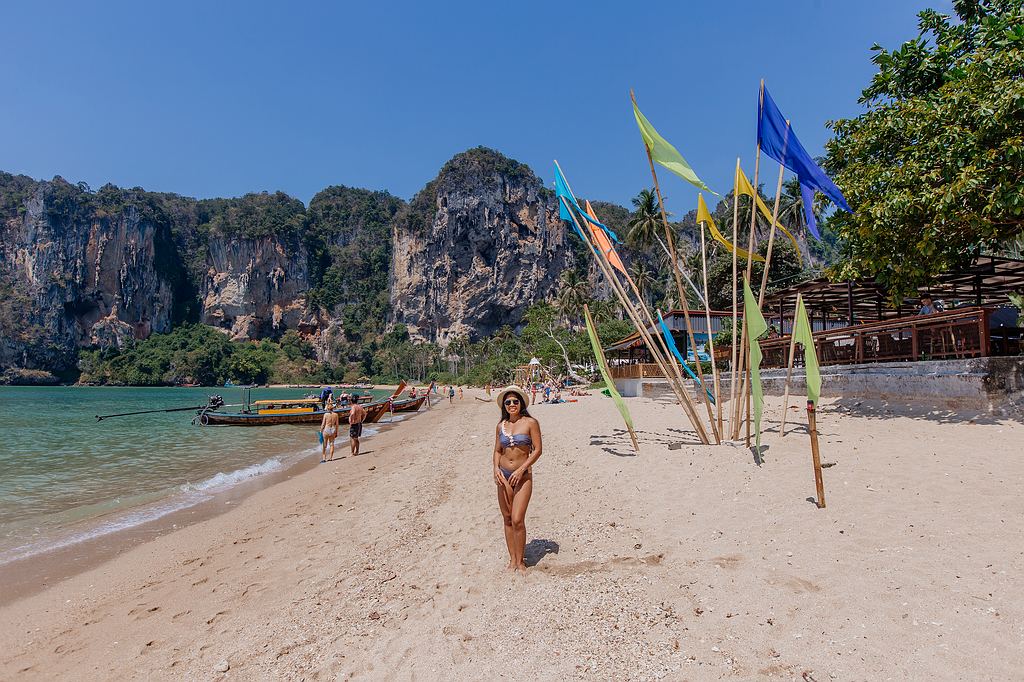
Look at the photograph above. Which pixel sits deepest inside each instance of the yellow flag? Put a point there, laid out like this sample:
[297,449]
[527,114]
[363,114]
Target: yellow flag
[704,216]
[743,186]
[603,242]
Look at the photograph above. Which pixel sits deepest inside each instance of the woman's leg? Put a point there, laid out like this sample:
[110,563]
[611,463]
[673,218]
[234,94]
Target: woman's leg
[520,501]
[506,515]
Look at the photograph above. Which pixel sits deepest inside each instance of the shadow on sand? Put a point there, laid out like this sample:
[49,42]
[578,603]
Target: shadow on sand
[886,409]
[537,550]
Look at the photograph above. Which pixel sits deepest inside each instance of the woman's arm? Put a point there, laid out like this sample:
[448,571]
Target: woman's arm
[498,478]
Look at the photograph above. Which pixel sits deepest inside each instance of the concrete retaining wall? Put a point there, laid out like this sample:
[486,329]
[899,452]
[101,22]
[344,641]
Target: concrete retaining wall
[990,384]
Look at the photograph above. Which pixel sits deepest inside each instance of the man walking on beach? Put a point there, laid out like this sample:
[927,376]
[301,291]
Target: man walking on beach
[329,431]
[355,426]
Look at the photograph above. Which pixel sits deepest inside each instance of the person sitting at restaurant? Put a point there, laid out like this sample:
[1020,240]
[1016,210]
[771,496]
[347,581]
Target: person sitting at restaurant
[927,307]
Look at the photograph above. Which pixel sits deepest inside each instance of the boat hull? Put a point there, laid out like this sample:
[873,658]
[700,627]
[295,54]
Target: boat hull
[374,412]
[409,404]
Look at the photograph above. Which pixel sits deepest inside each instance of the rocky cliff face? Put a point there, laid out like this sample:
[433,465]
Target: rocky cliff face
[100,269]
[76,278]
[475,248]
[254,287]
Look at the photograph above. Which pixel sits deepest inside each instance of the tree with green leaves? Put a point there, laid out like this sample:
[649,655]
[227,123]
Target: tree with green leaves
[933,168]
[644,226]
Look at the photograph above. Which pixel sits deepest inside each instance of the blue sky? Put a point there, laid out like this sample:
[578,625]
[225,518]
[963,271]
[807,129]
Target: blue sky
[222,98]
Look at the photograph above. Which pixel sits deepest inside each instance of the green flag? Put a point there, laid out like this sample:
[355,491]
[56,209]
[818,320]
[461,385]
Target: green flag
[665,154]
[595,343]
[802,334]
[756,326]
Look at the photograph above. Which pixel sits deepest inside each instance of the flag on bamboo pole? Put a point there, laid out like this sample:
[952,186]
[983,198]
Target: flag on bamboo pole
[756,326]
[704,215]
[786,149]
[602,365]
[803,335]
[562,191]
[671,343]
[743,186]
[603,243]
[664,153]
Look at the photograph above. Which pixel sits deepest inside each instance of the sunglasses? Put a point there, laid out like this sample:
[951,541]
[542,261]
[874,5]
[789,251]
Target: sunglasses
[511,401]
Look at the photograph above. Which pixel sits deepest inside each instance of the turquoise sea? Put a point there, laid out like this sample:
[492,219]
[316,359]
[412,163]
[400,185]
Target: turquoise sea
[65,477]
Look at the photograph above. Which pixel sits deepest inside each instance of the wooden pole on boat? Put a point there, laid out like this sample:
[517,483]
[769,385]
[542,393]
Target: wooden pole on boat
[733,377]
[679,288]
[711,335]
[812,429]
[680,391]
[789,369]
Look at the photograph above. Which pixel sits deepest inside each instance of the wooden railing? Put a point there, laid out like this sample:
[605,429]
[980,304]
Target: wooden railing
[639,370]
[961,333]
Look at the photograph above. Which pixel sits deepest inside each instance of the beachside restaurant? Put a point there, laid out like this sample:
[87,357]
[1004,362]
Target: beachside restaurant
[854,323]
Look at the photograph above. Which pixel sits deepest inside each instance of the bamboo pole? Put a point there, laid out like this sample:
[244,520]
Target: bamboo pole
[775,220]
[604,366]
[750,263]
[812,429]
[733,377]
[789,369]
[711,336]
[679,288]
[642,306]
[679,390]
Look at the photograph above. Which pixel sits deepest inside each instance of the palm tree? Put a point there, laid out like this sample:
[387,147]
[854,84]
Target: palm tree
[603,310]
[645,223]
[643,277]
[572,294]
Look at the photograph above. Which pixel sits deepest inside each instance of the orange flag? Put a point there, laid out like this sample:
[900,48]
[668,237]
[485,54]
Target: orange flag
[602,241]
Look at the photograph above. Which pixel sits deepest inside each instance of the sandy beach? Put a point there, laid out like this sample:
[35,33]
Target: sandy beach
[685,562]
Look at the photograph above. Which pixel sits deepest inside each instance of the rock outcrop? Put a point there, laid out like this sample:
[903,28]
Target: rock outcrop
[73,276]
[475,248]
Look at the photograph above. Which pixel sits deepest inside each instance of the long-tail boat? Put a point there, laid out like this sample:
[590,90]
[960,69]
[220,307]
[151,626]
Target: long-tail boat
[270,412]
[408,404]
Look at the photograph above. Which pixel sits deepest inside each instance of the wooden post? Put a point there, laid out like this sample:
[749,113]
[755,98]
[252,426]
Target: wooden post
[748,408]
[812,429]
[775,220]
[733,376]
[789,372]
[679,288]
[711,335]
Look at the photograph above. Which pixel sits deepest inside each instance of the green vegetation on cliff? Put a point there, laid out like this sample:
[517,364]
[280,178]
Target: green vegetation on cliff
[195,353]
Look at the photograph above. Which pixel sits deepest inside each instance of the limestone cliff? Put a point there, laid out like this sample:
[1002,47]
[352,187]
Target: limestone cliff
[74,275]
[475,248]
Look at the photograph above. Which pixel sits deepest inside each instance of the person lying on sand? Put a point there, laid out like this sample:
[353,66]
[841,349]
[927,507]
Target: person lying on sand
[329,429]
[517,447]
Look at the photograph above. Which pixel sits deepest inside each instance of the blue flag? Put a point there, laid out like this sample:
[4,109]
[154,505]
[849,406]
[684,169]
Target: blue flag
[562,190]
[671,343]
[783,146]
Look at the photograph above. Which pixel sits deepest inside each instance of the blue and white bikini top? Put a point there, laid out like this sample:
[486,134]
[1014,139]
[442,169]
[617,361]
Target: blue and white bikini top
[506,439]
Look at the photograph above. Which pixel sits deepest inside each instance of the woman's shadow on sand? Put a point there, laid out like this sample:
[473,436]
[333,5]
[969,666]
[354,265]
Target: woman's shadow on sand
[537,550]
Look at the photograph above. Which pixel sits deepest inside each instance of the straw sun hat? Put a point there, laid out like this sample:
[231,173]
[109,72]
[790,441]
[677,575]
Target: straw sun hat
[524,397]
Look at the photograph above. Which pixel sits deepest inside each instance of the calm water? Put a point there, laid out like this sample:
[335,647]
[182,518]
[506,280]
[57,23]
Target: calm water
[65,477]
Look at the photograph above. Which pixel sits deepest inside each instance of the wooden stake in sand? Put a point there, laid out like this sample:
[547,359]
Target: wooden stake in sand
[733,377]
[679,288]
[711,336]
[681,394]
[812,429]
[789,371]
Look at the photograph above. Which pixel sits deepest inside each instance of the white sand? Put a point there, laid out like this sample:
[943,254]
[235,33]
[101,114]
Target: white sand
[689,563]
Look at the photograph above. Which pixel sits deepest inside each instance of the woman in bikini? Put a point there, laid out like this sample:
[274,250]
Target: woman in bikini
[517,446]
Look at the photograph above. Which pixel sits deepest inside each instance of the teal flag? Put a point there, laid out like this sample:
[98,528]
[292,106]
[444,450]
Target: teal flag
[562,191]
[756,326]
[671,343]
